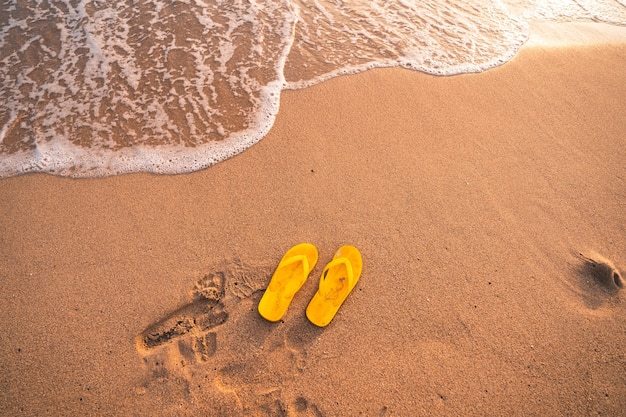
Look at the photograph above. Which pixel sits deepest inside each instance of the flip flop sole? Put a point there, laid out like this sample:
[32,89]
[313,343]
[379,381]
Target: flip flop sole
[288,278]
[336,283]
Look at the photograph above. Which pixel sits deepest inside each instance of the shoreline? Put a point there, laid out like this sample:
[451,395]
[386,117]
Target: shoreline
[470,197]
[168,160]
[574,34]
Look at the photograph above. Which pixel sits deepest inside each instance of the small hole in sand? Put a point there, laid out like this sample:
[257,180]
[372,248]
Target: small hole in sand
[617,279]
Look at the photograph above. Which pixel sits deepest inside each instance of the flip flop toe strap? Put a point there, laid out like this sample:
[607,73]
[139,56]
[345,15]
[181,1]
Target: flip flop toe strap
[292,286]
[328,287]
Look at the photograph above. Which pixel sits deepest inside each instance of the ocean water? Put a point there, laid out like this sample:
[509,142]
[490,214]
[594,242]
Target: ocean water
[103,87]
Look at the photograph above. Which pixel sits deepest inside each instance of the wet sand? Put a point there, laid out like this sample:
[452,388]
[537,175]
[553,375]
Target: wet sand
[490,211]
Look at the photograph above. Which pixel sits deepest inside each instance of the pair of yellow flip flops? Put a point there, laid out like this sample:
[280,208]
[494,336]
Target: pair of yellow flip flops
[338,279]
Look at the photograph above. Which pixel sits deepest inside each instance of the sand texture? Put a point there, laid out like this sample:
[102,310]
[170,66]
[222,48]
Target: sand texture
[490,211]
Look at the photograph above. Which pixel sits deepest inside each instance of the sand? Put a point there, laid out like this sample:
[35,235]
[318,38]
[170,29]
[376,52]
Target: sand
[490,210]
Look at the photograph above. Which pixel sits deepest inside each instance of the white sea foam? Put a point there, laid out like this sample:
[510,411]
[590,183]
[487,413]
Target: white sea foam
[95,88]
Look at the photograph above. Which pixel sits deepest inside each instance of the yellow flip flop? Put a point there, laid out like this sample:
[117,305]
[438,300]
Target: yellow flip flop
[337,281]
[290,275]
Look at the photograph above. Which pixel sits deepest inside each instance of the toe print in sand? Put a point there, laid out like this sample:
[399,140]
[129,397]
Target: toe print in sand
[222,356]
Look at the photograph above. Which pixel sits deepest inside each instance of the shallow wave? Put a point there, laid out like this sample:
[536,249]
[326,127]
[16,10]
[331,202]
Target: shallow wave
[441,38]
[96,88]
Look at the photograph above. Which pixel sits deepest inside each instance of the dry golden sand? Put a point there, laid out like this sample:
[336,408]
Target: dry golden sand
[470,197]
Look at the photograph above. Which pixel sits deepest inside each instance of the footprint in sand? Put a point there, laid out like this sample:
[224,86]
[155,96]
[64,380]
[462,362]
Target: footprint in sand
[603,272]
[218,352]
[196,319]
[599,281]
